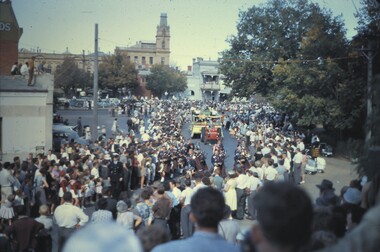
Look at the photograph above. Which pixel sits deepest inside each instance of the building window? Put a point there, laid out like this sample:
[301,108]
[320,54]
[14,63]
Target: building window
[136,59]
[151,60]
[163,44]
[162,60]
[192,93]
[143,60]
[128,58]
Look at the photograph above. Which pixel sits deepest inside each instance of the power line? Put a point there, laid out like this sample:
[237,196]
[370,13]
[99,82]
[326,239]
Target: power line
[287,61]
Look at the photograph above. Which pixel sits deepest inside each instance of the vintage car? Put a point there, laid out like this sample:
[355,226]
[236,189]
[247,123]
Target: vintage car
[198,121]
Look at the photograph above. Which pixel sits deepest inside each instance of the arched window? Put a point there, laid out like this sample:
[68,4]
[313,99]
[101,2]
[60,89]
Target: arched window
[192,93]
[163,44]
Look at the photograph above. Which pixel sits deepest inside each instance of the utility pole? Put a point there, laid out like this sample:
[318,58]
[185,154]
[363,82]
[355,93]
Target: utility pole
[95,112]
[84,71]
[370,54]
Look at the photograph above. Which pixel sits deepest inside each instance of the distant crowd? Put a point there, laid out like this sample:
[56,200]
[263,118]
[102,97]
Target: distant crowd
[155,191]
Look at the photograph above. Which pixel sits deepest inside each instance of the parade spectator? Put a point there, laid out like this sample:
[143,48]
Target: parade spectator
[102,214]
[161,209]
[14,69]
[68,218]
[151,237]
[126,217]
[207,206]
[254,185]
[6,181]
[230,192]
[228,228]
[284,218]
[103,237]
[23,232]
[111,203]
[327,196]
[5,244]
[31,70]
[242,187]
[186,224]
[218,181]
[44,238]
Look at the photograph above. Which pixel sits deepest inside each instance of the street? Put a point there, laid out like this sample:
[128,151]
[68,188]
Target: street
[339,170]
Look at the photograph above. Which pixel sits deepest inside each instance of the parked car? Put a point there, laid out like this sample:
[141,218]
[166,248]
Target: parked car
[63,134]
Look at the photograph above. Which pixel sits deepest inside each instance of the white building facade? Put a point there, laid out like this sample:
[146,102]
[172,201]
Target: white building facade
[26,116]
[204,81]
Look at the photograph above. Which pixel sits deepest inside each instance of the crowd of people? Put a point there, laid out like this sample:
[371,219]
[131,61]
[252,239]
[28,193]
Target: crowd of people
[155,191]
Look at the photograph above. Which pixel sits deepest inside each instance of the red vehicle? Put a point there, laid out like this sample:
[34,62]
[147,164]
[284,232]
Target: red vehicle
[213,134]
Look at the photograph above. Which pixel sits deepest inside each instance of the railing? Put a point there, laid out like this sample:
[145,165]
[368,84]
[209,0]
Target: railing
[211,85]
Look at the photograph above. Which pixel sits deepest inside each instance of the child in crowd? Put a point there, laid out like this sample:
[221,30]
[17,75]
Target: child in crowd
[6,210]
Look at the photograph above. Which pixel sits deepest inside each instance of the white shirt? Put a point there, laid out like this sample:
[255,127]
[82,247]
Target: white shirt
[287,164]
[52,157]
[186,196]
[242,181]
[176,192]
[145,137]
[254,183]
[270,173]
[68,215]
[297,158]
[301,146]
[95,172]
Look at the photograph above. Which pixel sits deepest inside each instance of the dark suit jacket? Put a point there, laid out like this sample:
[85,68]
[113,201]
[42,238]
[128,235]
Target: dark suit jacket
[24,231]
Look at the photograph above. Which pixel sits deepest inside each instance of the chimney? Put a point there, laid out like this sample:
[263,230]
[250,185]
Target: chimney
[189,68]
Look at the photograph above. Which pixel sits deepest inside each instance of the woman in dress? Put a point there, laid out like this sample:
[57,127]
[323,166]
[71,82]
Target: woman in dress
[230,191]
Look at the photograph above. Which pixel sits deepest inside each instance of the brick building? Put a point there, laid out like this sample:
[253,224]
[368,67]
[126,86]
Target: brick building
[10,34]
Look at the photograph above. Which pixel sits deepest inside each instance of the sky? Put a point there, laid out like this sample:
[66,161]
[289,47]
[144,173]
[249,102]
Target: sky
[198,28]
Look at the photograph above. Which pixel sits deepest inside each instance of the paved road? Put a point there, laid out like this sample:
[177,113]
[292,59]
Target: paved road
[339,170]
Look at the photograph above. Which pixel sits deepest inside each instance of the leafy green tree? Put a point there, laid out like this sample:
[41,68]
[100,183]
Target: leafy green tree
[116,72]
[165,79]
[68,77]
[296,54]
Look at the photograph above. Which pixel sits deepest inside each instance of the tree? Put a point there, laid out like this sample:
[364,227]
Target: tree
[296,54]
[165,79]
[116,72]
[69,77]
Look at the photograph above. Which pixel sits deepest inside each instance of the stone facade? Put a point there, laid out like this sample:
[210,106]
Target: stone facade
[54,60]
[145,54]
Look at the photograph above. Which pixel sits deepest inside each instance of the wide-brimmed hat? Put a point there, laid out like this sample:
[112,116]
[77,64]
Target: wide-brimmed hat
[352,196]
[107,157]
[325,184]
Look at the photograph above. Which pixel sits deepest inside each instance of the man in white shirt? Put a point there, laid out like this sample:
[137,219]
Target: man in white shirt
[68,218]
[242,183]
[300,145]
[270,174]
[254,184]
[297,162]
[51,156]
[186,224]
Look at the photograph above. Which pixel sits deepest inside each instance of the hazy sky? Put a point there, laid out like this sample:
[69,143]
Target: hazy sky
[199,28]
